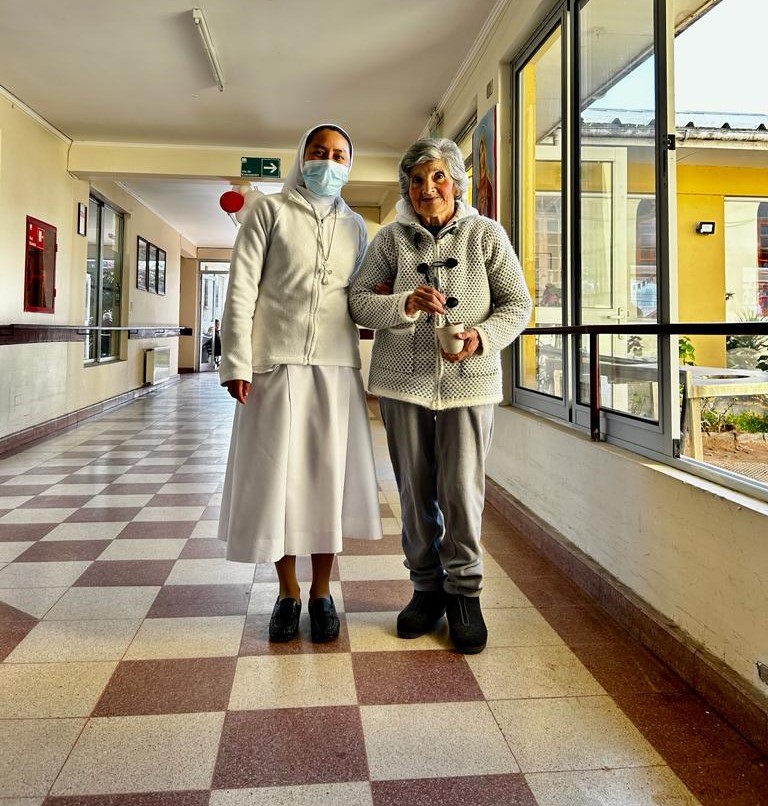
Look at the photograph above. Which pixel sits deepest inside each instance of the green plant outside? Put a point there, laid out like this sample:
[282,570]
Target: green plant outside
[746,423]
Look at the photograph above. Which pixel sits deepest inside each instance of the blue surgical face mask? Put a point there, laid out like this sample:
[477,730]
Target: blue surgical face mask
[325,177]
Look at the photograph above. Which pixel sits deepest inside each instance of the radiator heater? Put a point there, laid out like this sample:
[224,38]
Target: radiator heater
[157,364]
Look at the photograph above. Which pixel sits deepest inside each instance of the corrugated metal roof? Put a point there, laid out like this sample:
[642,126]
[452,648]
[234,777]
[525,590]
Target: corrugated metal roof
[735,121]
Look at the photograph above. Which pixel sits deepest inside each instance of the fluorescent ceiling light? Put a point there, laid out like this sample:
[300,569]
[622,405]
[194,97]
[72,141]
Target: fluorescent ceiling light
[210,50]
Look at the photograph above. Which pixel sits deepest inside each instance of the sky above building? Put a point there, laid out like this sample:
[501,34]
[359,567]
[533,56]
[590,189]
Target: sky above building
[719,64]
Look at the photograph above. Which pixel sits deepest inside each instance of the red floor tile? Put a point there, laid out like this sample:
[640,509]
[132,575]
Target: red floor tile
[384,678]
[291,746]
[732,784]
[376,595]
[684,729]
[174,601]
[627,667]
[196,478]
[179,500]
[24,531]
[389,544]
[585,624]
[176,686]
[63,550]
[56,501]
[13,490]
[105,573]
[133,799]
[519,561]
[554,590]
[203,548]
[480,790]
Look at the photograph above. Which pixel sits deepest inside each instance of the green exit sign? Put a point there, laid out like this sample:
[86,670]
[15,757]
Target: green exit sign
[261,167]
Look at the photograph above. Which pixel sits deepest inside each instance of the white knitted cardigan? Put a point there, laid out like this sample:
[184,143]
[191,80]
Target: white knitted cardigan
[493,298]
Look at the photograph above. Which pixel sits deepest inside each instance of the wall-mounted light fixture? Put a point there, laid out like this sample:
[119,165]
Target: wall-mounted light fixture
[210,50]
[705,228]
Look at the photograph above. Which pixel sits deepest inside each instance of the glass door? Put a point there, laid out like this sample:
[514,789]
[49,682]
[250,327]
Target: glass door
[214,278]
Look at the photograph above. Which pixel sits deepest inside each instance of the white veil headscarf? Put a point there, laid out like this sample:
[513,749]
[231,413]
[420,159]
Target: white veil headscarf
[295,176]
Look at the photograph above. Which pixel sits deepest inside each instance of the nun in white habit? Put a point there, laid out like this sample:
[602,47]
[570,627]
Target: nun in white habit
[300,475]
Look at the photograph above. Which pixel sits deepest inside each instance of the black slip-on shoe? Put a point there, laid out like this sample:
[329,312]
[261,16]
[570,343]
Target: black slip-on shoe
[323,620]
[421,615]
[465,623]
[284,623]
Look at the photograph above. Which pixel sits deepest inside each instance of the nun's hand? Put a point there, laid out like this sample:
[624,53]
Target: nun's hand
[383,288]
[239,389]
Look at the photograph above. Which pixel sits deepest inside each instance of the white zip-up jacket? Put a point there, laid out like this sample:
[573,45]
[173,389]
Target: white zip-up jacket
[282,307]
[406,363]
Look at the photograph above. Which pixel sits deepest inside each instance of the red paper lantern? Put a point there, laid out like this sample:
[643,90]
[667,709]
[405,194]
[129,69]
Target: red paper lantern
[231,201]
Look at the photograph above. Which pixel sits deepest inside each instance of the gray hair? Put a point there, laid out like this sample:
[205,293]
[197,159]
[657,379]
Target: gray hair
[428,150]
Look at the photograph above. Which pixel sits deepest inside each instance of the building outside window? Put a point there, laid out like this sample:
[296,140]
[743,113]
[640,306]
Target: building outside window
[607,212]
[103,281]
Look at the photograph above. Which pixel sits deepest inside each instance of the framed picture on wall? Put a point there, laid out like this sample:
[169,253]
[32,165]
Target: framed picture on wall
[82,219]
[161,271]
[141,263]
[484,164]
[152,269]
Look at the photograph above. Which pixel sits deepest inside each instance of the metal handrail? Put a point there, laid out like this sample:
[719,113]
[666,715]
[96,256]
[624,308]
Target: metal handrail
[676,329]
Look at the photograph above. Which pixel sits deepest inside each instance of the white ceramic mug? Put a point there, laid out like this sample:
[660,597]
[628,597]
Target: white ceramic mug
[446,335]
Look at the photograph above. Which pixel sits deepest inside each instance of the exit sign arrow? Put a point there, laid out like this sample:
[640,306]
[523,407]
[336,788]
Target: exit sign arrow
[260,167]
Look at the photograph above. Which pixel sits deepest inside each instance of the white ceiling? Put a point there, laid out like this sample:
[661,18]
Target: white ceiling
[108,71]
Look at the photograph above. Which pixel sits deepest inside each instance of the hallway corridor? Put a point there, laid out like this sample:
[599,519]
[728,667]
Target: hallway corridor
[136,671]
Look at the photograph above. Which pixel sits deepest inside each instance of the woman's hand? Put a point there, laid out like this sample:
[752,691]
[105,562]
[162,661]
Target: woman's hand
[238,389]
[471,344]
[425,298]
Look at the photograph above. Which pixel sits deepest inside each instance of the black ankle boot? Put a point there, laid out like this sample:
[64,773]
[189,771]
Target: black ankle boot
[421,614]
[465,623]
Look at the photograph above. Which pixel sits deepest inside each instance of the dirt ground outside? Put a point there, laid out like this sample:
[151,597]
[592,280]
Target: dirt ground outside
[746,454]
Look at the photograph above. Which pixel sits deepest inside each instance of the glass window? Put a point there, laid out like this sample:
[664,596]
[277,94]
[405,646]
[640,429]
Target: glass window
[723,268]
[617,202]
[541,212]
[605,184]
[104,269]
[762,239]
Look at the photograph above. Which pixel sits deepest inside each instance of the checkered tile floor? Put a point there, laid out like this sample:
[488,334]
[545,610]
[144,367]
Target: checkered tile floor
[136,670]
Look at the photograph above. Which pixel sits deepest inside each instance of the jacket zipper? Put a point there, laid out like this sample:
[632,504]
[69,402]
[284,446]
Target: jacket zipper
[440,363]
[314,306]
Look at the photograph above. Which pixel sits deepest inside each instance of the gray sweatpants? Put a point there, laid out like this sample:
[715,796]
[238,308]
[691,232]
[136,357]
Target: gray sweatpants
[439,463]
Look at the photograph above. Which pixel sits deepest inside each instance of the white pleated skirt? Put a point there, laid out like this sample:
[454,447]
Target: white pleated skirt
[301,473]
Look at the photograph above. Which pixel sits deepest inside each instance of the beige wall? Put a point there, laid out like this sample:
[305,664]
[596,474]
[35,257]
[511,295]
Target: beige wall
[40,382]
[189,306]
[34,182]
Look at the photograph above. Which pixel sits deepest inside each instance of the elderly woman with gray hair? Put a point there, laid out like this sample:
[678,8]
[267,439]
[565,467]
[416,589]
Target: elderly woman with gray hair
[440,262]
